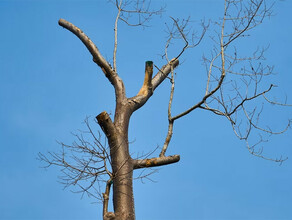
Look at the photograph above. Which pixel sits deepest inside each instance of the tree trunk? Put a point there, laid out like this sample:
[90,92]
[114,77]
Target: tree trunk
[123,198]
[121,161]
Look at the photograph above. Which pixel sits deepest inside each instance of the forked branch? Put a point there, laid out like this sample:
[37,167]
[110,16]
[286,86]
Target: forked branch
[150,84]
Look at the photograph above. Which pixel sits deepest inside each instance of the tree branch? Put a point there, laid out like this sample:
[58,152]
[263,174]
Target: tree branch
[116,38]
[107,125]
[170,120]
[107,215]
[150,85]
[163,73]
[97,58]
[250,98]
[248,24]
[147,86]
[155,162]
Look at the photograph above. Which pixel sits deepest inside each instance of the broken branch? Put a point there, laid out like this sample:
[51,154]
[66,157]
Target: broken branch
[155,162]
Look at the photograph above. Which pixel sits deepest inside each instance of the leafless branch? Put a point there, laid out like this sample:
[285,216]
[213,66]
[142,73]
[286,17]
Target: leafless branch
[107,215]
[245,73]
[136,13]
[97,57]
[84,163]
[154,162]
[112,76]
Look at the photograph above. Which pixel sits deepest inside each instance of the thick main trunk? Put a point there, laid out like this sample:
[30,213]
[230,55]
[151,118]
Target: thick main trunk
[121,162]
[122,166]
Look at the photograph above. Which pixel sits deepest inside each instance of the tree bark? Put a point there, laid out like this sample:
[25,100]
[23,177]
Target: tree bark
[121,161]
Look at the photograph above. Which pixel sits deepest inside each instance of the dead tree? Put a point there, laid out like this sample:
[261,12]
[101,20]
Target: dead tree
[94,163]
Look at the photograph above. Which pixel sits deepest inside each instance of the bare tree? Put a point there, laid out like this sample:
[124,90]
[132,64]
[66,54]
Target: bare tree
[233,82]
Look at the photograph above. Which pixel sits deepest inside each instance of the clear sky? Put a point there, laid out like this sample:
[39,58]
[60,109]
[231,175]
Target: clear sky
[49,84]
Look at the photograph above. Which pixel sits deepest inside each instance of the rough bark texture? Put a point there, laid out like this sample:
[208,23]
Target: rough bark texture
[155,162]
[122,163]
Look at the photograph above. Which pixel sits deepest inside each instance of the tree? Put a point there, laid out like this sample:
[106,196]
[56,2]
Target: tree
[233,83]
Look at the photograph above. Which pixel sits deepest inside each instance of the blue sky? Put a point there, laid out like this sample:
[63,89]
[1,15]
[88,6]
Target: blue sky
[49,84]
